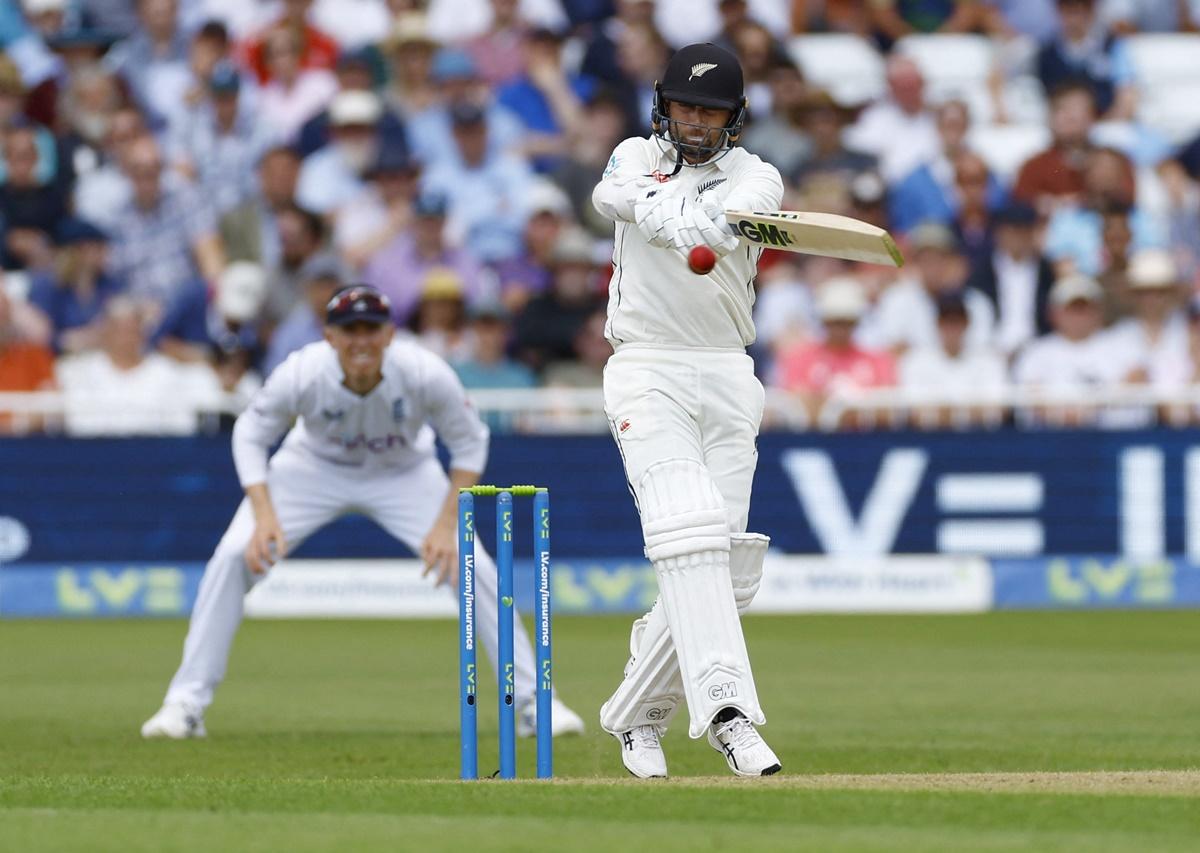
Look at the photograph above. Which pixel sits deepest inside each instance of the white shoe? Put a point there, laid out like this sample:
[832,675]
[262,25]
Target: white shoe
[177,721]
[563,721]
[642,753]
[743,747]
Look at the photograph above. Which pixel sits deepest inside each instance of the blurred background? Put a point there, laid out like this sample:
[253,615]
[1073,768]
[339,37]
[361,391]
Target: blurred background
[183,185]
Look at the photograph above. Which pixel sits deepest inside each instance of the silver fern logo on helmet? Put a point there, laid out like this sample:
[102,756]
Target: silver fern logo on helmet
[700,69]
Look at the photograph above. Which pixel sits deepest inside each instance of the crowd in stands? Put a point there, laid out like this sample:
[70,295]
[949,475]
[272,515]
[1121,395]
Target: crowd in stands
[183,186]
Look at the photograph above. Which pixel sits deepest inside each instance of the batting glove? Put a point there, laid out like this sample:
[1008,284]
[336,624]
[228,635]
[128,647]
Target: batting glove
[697,229]
[656,215]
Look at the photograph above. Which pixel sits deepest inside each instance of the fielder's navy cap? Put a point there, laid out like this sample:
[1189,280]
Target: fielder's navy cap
[359,303]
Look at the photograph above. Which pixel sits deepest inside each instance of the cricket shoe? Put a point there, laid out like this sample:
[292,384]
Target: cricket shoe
[642,753]
[177,721]
[735,737]
[563,721]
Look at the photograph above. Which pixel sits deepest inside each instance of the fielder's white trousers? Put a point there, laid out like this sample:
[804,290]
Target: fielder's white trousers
[309,493]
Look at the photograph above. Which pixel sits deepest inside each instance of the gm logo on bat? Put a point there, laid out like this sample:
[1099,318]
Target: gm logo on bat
[764,233]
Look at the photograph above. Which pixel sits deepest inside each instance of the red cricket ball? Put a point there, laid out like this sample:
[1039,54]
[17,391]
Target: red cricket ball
[701,260]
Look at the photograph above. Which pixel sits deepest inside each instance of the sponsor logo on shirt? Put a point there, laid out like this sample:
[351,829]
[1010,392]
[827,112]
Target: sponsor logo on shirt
[398,409]
[613,162]
[708,185]
[624,425]
[333,414]
[661,177]
[372,444]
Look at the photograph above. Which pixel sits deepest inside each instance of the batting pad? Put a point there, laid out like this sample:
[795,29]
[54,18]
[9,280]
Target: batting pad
[687,538]
[653,689]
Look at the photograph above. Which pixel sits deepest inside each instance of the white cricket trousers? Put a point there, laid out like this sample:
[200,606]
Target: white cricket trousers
[309,493]
[705,405]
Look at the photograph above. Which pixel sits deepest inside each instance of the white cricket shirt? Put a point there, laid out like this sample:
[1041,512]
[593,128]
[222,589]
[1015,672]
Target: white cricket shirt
[391,427]
[653,298]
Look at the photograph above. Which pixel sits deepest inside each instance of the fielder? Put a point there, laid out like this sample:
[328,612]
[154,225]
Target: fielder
[363,406]
[685,406]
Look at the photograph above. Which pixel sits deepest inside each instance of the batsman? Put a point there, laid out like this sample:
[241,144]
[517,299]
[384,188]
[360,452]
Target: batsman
[685,408]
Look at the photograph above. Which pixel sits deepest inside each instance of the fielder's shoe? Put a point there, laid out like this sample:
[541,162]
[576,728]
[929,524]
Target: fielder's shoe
[641,752]
[177,721]
[563,721]
[735,737]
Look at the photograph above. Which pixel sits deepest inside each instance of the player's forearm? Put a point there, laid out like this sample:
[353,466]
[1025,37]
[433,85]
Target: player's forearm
[459,479]
[614,199]
[259,496]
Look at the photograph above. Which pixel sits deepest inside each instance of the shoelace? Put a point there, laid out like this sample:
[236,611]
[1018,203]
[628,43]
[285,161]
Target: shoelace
[647,737]
[740,732]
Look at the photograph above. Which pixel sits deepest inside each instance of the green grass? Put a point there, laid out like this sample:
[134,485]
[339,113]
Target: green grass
[344,734]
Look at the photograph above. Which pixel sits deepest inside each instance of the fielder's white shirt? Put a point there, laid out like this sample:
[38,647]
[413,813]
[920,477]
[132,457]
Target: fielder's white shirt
[653,298]
[391,427]
[1055,362]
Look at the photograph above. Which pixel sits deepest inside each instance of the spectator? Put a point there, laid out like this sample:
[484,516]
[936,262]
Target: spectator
[1075,232]
[952,369]
[1117,246]
[12,116]
[431,129]
[74,293]
[759,53]
[294,94]
[102,191]
[528,273]
[382,211]
[439,321]
[815,370]
[977,195]
[485,190]
[487,364]
[120,389]
[547,328]
[1073,358]
[409,51]
[314,50]
[218,144]
[825,122]
[332,176]
[1056,175]
[235,314]
[641,56]
[85,113]
[1151,347]
[319,280]
[400,267]
[778,137]
[899,129]
[24,365]
[153,61]
[250,231]
[165,236]
[600,58]
[547,100]
[583,166]
[1016,278]
[237,382]
[301,238]
[209,50]
[894,19]
[355,73]
[498,52]
[30,209]
[585,368]
[907,315]
[1084,51]
[933,192]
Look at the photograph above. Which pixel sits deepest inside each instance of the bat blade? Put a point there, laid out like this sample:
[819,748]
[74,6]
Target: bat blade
[826,234]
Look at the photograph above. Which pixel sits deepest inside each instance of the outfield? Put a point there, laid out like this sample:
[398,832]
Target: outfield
[1002,731]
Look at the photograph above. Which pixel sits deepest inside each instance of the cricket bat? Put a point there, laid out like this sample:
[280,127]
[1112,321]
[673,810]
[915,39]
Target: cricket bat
[826,234]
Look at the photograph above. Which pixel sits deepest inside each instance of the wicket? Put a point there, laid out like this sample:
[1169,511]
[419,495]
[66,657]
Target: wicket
[506,676]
